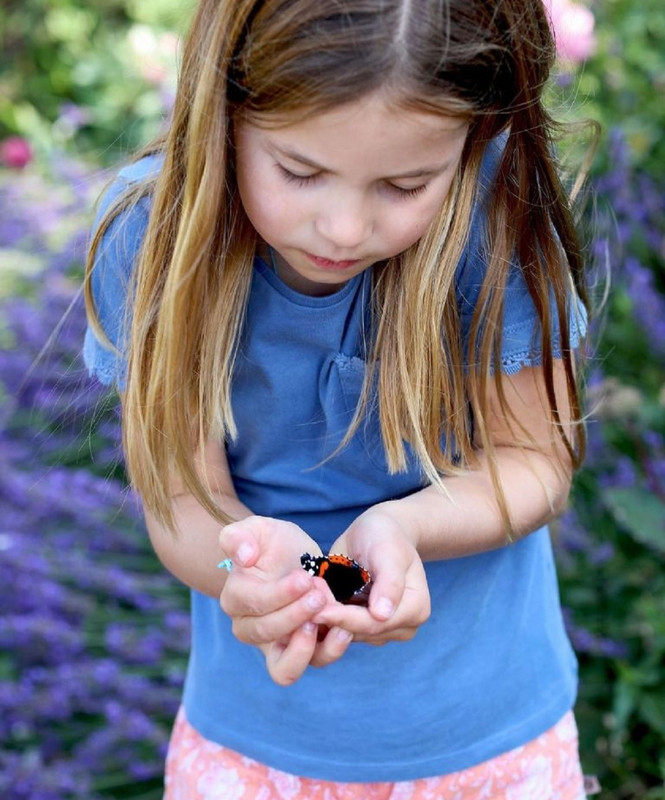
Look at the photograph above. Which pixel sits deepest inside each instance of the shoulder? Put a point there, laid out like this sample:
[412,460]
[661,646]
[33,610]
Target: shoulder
[143,169]
[124,210]
[126,179]
[122,217]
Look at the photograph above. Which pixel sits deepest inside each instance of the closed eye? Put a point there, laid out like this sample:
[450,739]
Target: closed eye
[307,180]
[293,177]
[401,192]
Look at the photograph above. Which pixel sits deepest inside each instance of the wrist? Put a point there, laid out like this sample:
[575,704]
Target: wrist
[396,515]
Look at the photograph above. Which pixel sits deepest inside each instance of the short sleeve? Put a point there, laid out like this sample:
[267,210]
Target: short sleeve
[521,329]
[111,278]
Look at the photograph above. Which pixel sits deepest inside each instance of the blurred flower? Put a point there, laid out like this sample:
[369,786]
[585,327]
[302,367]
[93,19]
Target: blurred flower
[91,628]
[649,303]
[155,53]
[15,152]
[71,119]
[584,641]
[573,27]
[634,227]
[610,399]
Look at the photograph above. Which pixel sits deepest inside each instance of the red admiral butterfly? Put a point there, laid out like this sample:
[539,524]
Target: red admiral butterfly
[348,581]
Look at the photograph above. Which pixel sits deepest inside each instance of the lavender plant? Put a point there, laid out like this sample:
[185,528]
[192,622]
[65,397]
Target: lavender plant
[611,544]
[93,633]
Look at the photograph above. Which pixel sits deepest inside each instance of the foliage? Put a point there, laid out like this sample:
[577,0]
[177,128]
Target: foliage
[622,84]
[611,544]
[95,76]
[93,633]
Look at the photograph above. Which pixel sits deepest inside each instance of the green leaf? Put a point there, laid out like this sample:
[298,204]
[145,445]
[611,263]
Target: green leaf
[652,709]
[640,513]
[623,705]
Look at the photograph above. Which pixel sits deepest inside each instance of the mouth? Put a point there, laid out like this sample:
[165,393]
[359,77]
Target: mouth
[329,263]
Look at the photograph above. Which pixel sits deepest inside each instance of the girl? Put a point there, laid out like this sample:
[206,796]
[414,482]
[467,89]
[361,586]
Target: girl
[355,294]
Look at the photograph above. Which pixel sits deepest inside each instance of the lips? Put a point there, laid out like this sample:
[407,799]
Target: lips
[329,263]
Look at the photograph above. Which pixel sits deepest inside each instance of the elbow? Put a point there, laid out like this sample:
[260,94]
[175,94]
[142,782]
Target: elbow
[557,485]
[164,542]
[561,497]
[545,499]
[563,470]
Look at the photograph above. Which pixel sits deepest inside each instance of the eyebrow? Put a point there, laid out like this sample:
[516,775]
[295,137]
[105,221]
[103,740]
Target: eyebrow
[421,172]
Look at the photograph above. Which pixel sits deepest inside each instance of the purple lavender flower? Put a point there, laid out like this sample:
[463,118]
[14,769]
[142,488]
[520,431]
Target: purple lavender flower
[88,613]
[635,230]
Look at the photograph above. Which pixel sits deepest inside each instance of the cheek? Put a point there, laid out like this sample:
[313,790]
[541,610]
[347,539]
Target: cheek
[410,224]
[260,195]
[405,228]
[264,208]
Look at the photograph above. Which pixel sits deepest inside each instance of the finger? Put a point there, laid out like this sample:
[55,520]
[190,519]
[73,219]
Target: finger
[354,619]
[247,594]
[241,540]
[393,635]
[369,630]
[279,624]
[389,581]
[414,610]
[286,662]
[332,647]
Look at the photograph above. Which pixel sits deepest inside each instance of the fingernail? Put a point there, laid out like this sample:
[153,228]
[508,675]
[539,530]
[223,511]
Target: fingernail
[309,628]
[342,635]
[315,601]
[244,553]
[384,607]
[302,582]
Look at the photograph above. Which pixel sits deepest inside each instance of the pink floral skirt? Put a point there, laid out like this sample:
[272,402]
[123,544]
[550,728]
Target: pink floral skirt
[546,768]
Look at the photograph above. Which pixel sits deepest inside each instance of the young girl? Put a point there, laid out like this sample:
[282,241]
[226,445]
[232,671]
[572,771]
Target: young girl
[341,300]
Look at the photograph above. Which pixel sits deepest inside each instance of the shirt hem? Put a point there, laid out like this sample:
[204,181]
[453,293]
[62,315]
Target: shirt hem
[370,772]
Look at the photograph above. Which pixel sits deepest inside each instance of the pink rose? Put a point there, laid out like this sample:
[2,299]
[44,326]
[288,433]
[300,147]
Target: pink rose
[573,27]
[15,152]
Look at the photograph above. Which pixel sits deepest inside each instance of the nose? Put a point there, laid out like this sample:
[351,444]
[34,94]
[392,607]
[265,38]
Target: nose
[346,225]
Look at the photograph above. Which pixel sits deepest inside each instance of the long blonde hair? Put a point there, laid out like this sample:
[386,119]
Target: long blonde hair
[286,59]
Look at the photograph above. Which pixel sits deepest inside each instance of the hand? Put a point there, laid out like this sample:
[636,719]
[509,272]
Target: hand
[399,600]
[271,600]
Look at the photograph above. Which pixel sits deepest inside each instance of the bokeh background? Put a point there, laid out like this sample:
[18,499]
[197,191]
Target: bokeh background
[93,633]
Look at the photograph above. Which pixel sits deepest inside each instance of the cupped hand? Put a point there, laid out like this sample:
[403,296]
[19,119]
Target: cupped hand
[270,599]
[399,601]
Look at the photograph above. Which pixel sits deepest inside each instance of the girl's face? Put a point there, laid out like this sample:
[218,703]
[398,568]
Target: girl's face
[344,189]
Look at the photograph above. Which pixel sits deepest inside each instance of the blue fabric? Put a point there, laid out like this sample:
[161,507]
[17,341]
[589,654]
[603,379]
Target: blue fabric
[112,274]
[490,670]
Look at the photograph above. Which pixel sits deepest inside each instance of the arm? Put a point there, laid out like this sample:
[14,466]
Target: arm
[193,553]
[393,538]
[535,475]
[271,601]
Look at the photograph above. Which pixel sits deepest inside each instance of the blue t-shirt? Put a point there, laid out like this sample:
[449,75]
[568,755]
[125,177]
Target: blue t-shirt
[491,669]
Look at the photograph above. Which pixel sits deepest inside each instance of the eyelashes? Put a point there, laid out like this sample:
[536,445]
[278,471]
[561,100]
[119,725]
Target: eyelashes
[298,180]
[412,192]
[310,180]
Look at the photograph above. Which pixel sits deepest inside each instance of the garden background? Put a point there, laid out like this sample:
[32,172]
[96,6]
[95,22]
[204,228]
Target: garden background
[93,633]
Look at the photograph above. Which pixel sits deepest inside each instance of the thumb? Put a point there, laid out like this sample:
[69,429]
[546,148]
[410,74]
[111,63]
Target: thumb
[388,582]
[241,540]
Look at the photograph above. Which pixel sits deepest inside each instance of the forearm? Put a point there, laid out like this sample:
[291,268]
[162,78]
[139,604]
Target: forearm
[192,554]
[467,518]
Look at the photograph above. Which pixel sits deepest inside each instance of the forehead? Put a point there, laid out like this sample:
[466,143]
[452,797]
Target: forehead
[374,132]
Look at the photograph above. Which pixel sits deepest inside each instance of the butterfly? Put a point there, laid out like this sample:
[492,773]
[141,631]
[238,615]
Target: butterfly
[348,581]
